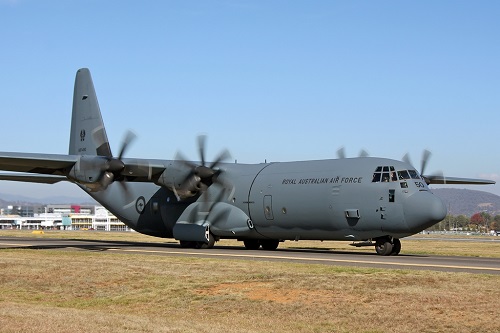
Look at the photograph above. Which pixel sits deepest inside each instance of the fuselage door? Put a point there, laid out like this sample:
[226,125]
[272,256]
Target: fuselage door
[268,207]
[391,210]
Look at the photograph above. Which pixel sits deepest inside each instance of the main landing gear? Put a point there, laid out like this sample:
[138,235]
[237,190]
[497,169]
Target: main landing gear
[388,246]
[200,245]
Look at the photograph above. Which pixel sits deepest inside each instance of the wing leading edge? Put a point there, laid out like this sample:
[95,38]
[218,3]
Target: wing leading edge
[457,180]
[32,178]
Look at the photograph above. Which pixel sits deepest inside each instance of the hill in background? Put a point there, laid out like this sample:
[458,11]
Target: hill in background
[468,202]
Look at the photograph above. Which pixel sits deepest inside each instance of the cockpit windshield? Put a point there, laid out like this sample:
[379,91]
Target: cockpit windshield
[403,174]
[408,174]
[414,174]
[384,174]
[388,174]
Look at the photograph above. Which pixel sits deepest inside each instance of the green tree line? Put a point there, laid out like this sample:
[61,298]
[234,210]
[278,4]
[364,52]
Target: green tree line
[479,222]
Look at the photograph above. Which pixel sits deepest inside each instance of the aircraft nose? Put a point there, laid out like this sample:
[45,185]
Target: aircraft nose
[422,210]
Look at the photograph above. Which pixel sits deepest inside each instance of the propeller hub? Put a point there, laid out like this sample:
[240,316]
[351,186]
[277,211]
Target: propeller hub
[115,165]
[204,172]
[201,176]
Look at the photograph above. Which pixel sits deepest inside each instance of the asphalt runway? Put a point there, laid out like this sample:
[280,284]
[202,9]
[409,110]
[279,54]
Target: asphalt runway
[323,257]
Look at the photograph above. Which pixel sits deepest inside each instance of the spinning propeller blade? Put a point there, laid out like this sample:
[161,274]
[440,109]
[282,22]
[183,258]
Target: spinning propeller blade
[201,176]
[341,153]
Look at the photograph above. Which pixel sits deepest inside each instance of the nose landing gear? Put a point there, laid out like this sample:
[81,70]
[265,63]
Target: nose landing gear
[388,246]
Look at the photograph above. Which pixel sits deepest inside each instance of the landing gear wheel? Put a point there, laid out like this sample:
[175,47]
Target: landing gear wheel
[251,244]
[209,245]
[396,247]
[383,246]
[269,244]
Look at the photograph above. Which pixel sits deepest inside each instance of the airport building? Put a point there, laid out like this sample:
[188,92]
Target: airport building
[62,217]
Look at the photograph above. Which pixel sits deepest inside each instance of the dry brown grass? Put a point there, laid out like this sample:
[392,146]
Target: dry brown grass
[83,291]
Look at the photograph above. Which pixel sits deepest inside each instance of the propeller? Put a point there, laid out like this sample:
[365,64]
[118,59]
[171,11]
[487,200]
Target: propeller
[425,159]
[341,153]
[207,179]
[201,176]
[426,154]
[112,168]
[363,153]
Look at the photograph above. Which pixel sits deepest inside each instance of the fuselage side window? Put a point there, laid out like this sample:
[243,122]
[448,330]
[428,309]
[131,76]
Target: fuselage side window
[392,194]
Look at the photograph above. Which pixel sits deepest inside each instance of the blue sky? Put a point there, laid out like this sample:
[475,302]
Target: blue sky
[269,80]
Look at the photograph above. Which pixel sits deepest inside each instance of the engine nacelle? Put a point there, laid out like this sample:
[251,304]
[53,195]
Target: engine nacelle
[90,171]
[178,181]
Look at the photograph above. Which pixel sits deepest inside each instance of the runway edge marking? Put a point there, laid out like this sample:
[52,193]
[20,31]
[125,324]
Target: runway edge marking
[392,263]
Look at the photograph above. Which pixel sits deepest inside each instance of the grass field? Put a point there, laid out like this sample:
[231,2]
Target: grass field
[84,291]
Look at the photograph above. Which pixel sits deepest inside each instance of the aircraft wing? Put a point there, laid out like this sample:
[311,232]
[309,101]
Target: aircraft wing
[142,170]
[48,164]
[456,180]
[53,168]
[32,178]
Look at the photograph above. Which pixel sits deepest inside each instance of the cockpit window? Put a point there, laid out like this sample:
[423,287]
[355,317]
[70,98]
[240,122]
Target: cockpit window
[389,174]
[403,174]
[385,177]
[408,174]
[384,174]
[414,174]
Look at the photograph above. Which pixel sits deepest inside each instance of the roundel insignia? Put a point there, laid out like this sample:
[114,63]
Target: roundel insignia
[140,204]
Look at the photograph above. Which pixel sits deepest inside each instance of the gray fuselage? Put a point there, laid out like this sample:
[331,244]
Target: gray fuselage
[339,199]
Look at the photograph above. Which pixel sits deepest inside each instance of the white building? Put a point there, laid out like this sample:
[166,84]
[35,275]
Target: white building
[65,218]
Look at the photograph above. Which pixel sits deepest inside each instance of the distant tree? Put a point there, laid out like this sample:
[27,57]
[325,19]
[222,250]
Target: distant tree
[497,218]
[462,221]
[486,217]
[477,219]
[447,223]
[494,225]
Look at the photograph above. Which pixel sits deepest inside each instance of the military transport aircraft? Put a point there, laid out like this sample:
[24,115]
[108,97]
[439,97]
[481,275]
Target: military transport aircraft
[366,200]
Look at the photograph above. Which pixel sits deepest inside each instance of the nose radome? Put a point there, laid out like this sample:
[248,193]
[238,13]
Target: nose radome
[422,210]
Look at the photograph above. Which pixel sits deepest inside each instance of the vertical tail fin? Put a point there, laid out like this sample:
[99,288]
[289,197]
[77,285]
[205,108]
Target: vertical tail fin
[88,135]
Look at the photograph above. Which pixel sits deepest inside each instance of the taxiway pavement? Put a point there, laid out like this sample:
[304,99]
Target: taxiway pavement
[310,256]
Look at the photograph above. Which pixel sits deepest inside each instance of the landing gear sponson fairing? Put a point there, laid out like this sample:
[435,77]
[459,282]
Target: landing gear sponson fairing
[366,200]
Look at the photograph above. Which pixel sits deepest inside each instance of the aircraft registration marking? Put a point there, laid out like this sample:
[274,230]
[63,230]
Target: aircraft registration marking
[325,180]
